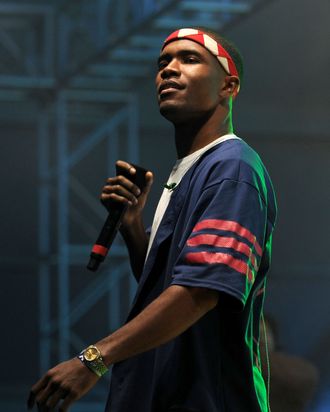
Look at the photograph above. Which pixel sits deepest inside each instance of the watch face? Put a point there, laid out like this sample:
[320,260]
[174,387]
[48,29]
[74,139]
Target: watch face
[91,353]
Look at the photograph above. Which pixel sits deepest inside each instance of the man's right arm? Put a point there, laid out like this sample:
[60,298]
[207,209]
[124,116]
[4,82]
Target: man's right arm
[122,190]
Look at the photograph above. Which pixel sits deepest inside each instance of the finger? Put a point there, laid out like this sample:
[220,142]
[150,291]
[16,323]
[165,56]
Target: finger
[114,182]
[31,400]
[122,186]
[118,194]
[55,398]
[67,402]
[149,178]
[45,394]
[124,165]
[113,197]
[41,384]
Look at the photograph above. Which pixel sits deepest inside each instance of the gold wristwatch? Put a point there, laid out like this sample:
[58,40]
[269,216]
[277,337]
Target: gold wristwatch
[92,358]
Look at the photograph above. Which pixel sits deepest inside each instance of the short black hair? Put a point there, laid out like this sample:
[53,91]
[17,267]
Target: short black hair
[230,48]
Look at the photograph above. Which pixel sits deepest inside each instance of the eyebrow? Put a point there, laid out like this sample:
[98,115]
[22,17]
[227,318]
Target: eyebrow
[180,53]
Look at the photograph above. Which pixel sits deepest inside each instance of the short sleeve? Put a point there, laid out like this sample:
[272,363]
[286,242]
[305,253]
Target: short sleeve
[223,246]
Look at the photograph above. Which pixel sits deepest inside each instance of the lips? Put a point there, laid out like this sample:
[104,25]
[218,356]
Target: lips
[169,84]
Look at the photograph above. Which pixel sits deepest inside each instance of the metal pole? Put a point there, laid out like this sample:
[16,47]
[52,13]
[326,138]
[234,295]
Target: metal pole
[44,242]
[134,155]
[63,229]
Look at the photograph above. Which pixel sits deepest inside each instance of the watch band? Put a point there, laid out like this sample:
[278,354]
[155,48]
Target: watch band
[93,361]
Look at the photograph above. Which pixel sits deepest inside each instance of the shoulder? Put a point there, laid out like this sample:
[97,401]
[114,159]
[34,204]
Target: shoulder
[233,159]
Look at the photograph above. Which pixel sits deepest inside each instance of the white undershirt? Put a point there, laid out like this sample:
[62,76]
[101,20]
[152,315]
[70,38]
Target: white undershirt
[179,170]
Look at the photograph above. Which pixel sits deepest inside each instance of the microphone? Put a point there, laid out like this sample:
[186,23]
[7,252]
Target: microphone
[114,219]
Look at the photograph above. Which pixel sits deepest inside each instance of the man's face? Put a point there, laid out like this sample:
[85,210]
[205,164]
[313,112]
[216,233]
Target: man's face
[188,81]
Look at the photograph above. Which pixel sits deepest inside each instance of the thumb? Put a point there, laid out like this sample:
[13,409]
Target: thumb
[149,180]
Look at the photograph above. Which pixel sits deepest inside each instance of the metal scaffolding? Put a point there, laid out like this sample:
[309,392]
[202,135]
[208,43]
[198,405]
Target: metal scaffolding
[67,252]
[68,67]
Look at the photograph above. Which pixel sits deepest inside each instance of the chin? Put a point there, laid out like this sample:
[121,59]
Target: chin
[180,116]
[171,111]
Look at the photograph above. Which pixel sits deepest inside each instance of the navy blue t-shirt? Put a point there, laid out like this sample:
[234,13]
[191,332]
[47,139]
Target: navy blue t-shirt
[216,233]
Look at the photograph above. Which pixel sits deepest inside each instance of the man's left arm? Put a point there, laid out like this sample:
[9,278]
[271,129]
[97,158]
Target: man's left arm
[173,312]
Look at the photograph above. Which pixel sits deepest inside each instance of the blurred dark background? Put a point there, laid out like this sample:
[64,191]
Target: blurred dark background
[77,93]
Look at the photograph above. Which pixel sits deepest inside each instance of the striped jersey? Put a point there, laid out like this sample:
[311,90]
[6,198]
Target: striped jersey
[216,233]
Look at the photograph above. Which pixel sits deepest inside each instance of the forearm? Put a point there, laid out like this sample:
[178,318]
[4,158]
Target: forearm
[173,312]
[136,241]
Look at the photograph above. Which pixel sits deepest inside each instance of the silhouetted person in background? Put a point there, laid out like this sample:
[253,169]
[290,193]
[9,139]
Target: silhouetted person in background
[293,380]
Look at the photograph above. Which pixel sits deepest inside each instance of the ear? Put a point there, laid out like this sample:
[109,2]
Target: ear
[230,87]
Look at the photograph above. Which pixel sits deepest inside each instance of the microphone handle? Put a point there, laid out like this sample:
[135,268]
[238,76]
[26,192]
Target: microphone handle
[106,237]
[113,221]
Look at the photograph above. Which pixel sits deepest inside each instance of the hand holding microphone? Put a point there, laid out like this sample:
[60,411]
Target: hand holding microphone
[124,197]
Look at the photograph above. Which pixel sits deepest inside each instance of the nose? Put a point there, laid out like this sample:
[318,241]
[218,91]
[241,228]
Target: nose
[172,69]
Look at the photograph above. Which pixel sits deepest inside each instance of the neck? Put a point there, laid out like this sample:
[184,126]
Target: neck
[198,133]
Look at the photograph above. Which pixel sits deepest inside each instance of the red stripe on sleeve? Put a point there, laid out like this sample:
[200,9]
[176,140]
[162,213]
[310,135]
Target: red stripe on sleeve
[223,258]
[231,226]
[226,242]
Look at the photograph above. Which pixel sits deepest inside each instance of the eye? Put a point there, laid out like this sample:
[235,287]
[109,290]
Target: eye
[191,59]
[162,64]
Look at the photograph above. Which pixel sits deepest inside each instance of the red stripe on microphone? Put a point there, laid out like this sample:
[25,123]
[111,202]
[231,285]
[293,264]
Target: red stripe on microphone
[100,250]
[230,226]
[227,242]
[222,258]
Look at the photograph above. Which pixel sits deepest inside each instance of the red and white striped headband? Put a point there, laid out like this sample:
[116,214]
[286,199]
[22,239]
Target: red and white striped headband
[209,43]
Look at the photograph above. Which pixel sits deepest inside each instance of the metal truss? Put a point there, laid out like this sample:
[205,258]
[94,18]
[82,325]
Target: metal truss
[104,44]
[27,37]
[134,32]
[61,312]
[70,67]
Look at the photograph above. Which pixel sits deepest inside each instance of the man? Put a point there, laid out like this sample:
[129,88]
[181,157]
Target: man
[191,339]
